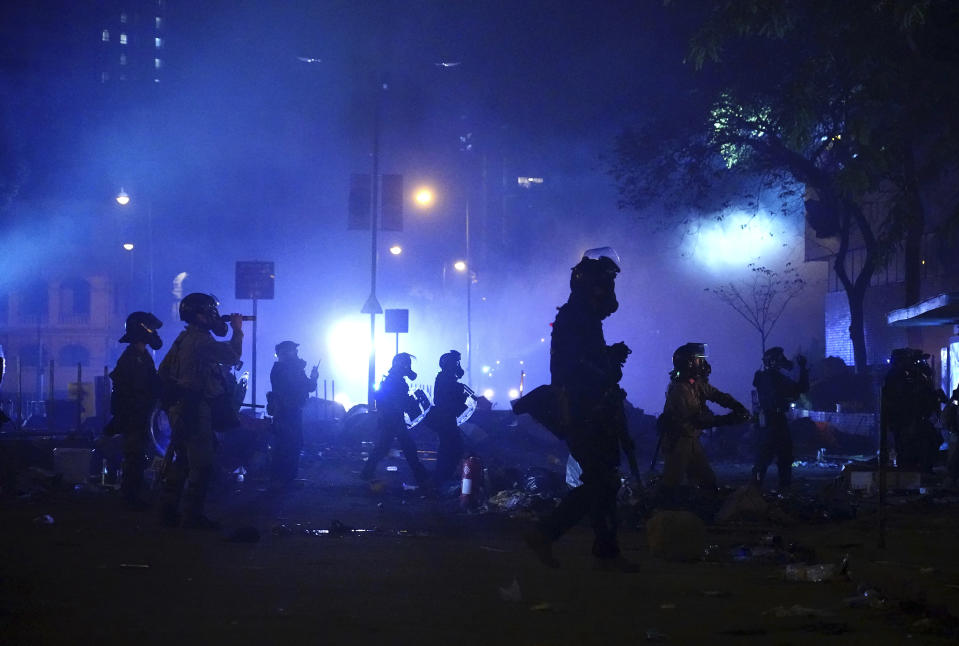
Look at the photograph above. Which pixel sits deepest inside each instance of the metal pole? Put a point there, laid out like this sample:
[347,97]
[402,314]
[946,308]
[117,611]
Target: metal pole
[19,393]
[883,454]
[469,286]
[150,244]
[374,208]
[51,400]
[253,399]
[79,395]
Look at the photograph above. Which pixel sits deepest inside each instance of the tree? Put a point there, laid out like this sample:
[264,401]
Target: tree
[843,98]
[763,298]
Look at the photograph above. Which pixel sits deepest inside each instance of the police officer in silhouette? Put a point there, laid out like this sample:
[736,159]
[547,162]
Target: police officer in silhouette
[776,392]
[135,394]
[449,402]
[290,389]
[393,399]
[585,374]
[191,379]
[909,401]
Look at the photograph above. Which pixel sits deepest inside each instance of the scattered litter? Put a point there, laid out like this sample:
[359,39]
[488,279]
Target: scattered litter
[45,519]
[409,487]
[797,611]
[743,632]
[542,606]
[141,566]
[656,636]
[817,573]
[392,468]
[667,606]
[927,570]
[715,593]
[492,549]
[511,593]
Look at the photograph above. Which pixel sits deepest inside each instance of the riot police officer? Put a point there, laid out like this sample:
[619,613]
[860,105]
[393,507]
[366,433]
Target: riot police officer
[191,379]
[135,393]
[909,400]
[449,402]
[585,374]
[685,415]
[290,390]
[776,392]
[393,399]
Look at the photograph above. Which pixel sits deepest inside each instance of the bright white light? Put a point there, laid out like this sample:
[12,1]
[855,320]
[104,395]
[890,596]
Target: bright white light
[488,393]
[459,265]
[128,246]
[485,369]
[122,198]
[348,354]
[396,250]
[513,393]
[423,197]
[736,240]
[344,400]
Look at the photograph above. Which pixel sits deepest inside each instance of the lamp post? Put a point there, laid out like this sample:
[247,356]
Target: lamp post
[124,199]
[425,197]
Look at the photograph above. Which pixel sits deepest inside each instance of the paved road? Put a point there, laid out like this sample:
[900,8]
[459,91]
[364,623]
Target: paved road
[431,575]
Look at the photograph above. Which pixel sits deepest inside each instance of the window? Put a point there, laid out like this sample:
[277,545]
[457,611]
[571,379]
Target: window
[159,22]
[105,36]
[104,77]
[123,59]
[157,63]
[158,42]
[123,39]
[74,301]
[123,18]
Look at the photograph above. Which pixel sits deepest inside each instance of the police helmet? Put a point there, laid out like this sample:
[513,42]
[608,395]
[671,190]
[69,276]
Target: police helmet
[403,364]
[450,362]
[195,304]
[689,361]
[142,327]
[594,276]
[775,358]
[285,346]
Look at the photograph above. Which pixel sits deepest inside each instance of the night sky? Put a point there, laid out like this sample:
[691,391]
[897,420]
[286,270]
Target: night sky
[244,152]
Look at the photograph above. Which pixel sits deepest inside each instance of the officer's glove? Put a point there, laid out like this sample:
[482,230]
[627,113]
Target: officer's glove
[618,352]
[743,414]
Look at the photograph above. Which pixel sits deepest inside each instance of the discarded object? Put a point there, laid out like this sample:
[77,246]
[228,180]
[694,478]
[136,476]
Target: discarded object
[138,566]
[541,606]
[676,535]
[511,593]
[797,611]
[667,606]
[392,468]
[656,636]
[817,573]
[745,503]
[45,519]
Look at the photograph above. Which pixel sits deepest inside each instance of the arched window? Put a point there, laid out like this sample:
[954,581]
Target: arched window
[74,301]
[71,355]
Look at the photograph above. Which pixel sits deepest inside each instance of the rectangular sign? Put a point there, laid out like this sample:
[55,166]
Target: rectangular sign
[254,279]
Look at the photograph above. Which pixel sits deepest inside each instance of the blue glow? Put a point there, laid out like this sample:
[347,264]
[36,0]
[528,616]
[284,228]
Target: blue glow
[736,240]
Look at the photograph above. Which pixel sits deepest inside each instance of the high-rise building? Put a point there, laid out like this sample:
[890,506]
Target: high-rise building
[132,37]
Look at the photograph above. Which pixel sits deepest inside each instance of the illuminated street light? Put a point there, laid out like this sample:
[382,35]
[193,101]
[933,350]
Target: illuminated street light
[396,250]
[459,265]
[423,197]
[122,198]
[128,246]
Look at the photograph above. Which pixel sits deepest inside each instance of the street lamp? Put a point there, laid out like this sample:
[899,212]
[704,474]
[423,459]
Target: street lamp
[396,250]
[425,197]
[123,199]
